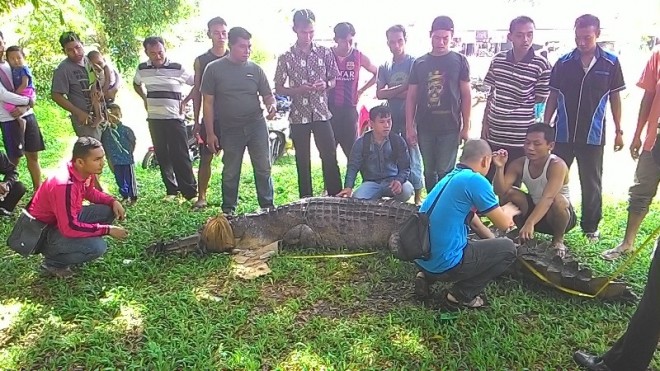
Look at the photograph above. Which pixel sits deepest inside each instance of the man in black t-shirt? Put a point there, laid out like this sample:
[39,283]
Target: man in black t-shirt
[438,103]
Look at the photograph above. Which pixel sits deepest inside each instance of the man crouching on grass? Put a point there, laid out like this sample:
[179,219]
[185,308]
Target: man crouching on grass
[547,207]
[75,231]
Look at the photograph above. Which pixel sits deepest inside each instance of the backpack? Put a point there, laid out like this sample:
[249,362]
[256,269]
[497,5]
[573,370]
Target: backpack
[395,142]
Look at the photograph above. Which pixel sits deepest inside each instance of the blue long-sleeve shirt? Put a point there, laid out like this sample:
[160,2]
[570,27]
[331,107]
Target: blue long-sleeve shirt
[380,163]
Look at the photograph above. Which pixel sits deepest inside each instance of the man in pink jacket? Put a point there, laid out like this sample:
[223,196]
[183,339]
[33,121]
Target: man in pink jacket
[75,233]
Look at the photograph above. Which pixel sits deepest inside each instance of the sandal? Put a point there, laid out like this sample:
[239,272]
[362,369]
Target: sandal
[592,237]
[560,249]
[614,254]
[477,303]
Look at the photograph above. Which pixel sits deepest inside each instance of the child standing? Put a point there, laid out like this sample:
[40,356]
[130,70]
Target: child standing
[105,72]
[119,143]
[22,79]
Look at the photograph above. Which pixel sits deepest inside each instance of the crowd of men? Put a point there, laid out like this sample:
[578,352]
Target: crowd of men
[413,144]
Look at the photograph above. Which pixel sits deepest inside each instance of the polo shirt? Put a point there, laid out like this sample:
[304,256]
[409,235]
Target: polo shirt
[466,192]
[164,86]
[515,89]
[582,97]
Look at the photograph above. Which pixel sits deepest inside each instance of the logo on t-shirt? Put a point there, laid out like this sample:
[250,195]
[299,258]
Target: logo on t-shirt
[436,81]
[350,65]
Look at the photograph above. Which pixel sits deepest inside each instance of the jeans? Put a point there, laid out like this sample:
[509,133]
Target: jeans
[439,155]
[590,170]
[416,175]
[634,350]
[60,251]
[483,261]
[324,138]
[233,142]
[374,190]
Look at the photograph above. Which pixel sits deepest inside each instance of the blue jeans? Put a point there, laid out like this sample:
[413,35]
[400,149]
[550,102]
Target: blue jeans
[233,142]
[60,251]
[416,177]
[374,190]
[439,155]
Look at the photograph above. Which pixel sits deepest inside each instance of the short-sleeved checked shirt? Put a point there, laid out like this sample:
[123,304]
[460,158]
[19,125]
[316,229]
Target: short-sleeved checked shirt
[300,68]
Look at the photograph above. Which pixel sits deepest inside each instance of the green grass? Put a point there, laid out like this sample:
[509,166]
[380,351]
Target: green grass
[132,311]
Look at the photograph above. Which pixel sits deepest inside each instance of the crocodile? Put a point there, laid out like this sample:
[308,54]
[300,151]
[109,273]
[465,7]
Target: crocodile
[358,225]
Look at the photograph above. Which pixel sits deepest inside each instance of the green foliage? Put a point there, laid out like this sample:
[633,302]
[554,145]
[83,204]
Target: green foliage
[127,22]
[41,29]
[6,6]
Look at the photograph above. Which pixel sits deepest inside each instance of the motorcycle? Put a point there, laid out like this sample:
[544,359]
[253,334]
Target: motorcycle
[151,162]
[278,128]
[480,91]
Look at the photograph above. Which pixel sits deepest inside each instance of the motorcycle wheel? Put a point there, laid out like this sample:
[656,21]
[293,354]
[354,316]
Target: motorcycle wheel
[149,161]
[277,142]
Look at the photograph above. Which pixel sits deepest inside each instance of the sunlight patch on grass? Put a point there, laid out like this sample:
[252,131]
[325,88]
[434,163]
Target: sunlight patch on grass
[406,340]
[304,359]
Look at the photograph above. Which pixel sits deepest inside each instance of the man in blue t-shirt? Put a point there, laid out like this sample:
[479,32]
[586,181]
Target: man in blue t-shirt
[464,195]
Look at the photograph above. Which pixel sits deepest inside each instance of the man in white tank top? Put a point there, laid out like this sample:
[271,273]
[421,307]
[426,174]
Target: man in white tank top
[547,207]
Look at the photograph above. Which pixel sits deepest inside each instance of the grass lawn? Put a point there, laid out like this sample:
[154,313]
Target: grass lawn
[131,311]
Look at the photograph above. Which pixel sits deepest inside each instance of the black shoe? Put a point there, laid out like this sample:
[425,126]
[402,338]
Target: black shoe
[590,362]
[58,272]
[4,212]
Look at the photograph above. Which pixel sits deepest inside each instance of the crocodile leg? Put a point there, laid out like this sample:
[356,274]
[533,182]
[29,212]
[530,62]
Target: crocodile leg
[301,236]
[181,245]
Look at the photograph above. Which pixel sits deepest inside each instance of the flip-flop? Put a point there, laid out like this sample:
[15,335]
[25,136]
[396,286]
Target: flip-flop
[477,303]
[613,254]
[199,205]
[561,249]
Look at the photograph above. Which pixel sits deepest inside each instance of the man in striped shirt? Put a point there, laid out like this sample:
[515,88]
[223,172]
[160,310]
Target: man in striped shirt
[518,79]
[164,82]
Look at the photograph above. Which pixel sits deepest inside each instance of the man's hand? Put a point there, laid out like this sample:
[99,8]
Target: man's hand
[19,111]
[212,143]
[526,232]
[500,158]
[272,111]
[411,137]
[82,117]
[346,192]
[511,210]
[635,146]
[465,135]
[118,210]
[118,232]
[196,128]
[320,85]
[618,142]
[396,187]
[4,188]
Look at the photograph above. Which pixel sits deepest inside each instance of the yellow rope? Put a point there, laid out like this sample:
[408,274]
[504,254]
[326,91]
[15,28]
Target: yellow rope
[332,256]
[614,275]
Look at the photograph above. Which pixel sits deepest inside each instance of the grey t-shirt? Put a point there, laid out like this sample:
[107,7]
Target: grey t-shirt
[72,80]
[236,89]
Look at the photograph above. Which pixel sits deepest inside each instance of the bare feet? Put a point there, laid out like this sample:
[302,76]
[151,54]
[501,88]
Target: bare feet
[200,204]
[560,249]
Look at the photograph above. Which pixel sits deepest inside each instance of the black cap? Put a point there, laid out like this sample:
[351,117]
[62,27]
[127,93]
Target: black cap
[303,16]
[343,30]
[442,23]
[113,106]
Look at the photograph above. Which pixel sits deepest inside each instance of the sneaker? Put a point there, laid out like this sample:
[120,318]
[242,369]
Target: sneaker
[592,237]
[421,286]
[56,272]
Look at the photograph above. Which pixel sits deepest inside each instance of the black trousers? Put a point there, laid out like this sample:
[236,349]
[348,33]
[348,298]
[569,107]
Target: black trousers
[590,169]
[344,125]
[16,192]
[634,350]
[171,147]
[325,142]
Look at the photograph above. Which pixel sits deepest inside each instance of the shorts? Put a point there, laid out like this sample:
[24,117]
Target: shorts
[87,130]
[204,151]
[17,143]
[543,226]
